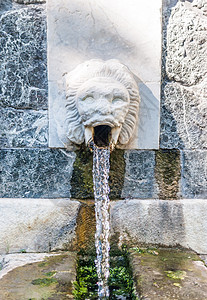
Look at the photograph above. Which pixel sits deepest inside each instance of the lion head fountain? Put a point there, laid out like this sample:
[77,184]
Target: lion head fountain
[102,102]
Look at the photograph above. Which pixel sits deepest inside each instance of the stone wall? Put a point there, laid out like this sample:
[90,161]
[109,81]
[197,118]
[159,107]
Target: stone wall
[162,193]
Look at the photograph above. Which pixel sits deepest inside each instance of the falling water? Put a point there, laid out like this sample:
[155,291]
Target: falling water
[101,193]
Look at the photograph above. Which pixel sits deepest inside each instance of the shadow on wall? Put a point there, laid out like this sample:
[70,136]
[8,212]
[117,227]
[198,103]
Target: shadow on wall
[168,124]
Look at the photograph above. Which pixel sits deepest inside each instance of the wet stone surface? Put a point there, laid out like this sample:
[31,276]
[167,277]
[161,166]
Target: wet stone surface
[168,173]
[23,58]
[139,179]
[166,274]
[40,173]
[82,178]
[49,279]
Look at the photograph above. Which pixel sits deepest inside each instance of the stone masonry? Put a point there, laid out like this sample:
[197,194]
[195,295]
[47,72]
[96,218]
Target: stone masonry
[162,190]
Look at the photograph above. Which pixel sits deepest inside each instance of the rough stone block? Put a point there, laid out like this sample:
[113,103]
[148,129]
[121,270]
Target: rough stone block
[186,60]
[51,278]
[183,121]
[184,64]
[139,179]
[35,173]
[161,222]
[169,274]
[23,128]
[36,225]
[23,58]
[168,173]
[194,174]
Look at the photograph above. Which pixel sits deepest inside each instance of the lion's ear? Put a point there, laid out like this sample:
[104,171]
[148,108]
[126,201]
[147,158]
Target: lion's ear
[75,133]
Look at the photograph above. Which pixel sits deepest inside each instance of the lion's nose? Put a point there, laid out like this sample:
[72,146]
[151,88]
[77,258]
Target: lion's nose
[104,107]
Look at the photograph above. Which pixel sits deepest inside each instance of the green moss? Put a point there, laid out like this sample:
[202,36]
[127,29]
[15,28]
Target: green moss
[50,274]
[152,251]
[120,281]
[82,178]
[168,173]
[176,274]
[44,281]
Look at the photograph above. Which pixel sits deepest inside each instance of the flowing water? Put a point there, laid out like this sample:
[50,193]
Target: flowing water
[101,168]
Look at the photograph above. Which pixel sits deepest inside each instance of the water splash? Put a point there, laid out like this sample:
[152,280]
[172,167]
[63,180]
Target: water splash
[101,168]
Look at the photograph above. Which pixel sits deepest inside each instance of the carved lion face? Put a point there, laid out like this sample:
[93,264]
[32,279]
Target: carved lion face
[101,93]
[101,101]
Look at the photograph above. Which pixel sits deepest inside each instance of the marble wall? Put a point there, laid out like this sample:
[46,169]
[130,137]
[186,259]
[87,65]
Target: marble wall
[176,173]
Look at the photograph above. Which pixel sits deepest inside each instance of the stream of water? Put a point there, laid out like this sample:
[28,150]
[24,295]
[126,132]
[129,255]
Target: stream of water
[101,168]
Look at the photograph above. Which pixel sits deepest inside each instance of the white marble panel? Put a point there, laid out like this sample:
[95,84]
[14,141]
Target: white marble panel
[127,30]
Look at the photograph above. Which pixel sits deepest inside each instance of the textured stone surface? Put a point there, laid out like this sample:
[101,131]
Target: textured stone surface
[184,94]
[168,173]
[161,222]
[51,278]
[8,262]
[82,178]
[194,174]
[5,5]
[139,179]
[29,1]
[36,173]
[37,225]
[80,31]
[23,75]
[23,128]
[186,60]
[202,5]
[184,116]
[169,274]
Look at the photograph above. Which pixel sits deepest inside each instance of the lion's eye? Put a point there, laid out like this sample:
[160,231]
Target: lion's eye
[116,100]
[88,98]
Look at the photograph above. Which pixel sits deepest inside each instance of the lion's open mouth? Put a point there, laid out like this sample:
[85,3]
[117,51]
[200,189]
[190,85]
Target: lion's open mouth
[102,135]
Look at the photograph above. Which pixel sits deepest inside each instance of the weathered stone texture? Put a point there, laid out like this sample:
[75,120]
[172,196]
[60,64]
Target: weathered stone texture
[82,178]
[139,179]
[5,5]
[161,222]
[23,128]
[194,174]
[186,60]
[35,173]
[184,116]
[168,173]
[29,1]
[23,74]
[184,94]
[37,225]
[167,274]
